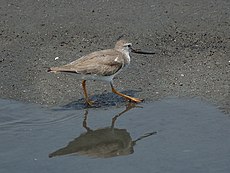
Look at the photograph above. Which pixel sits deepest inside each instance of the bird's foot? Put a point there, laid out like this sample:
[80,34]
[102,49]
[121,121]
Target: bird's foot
[135,100]
[89,103]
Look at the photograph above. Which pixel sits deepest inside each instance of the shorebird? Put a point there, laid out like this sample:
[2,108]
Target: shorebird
[102,65]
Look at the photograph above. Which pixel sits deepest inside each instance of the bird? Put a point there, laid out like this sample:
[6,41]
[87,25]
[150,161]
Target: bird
[102,65]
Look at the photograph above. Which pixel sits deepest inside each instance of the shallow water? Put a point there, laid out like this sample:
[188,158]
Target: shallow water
[171,135]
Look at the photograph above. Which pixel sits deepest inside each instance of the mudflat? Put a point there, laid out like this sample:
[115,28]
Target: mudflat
[191,41]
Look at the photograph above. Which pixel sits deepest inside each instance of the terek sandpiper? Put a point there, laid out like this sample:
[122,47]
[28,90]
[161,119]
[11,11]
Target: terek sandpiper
[102,65]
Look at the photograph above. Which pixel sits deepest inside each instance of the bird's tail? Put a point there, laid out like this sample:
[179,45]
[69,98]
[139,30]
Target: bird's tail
[53,69]
[60,69]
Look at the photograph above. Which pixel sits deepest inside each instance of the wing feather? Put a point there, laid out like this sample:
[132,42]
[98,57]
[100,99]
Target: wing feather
[102,63]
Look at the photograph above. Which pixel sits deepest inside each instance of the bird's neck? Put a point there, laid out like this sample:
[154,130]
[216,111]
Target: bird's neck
[127,57]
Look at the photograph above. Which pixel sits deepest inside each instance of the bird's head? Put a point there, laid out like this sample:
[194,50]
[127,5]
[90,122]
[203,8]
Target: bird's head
[124,46]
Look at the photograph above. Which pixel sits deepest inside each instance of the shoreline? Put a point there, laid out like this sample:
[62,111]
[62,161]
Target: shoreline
[191,44]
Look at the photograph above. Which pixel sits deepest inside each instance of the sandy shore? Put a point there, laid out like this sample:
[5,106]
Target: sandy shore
[191,41]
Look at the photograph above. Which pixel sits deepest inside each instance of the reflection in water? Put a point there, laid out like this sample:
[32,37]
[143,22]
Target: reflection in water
[104,142]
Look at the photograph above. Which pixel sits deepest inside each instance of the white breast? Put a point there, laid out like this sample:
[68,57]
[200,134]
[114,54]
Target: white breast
[127,58]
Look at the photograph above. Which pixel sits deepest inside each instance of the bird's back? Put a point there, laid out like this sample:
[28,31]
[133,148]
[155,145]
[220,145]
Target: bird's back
[104,63]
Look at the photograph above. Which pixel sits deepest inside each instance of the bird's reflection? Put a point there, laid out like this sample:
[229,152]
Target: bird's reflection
[104,142]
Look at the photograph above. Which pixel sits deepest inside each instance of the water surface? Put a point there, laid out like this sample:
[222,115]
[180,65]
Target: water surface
[171,135]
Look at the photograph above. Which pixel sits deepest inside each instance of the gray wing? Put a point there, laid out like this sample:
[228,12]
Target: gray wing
[102,63]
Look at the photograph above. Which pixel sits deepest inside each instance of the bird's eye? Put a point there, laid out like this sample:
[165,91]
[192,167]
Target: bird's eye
[129,45]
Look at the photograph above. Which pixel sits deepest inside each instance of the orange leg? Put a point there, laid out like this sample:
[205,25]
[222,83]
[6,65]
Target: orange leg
[87,100]
[136,100]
